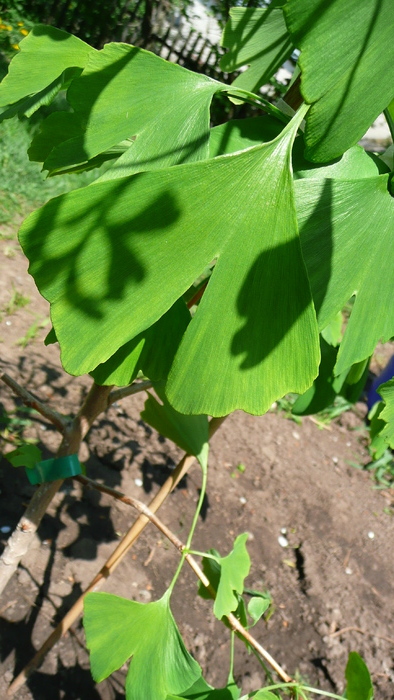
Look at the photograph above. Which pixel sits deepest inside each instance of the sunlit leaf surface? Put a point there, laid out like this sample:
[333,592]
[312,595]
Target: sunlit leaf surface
[258,38]
[35,74]
[128,93]
[346,230]
[140,242]
[347,58]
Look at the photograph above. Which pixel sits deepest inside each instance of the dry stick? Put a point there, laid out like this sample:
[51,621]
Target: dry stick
[73,433]
[110,565]
[361,631]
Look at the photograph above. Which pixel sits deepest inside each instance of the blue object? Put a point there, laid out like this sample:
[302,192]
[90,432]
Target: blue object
[387,374]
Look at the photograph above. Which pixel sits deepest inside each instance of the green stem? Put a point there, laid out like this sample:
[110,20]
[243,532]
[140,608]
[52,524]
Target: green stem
[230,678]
[206,555]
[192,529]
[301,688]
[257,100]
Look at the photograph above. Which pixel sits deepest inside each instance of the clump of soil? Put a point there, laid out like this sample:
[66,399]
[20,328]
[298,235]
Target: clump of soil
[332,585]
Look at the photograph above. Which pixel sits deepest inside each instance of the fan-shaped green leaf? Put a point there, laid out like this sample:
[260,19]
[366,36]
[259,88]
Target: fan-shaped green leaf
[344,44]
[258,38]
[117,628]
[233,570]
[346,230]
[41,68]
[140,242]
[125,92]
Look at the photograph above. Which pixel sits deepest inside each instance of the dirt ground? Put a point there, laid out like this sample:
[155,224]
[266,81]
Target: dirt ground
[332,586]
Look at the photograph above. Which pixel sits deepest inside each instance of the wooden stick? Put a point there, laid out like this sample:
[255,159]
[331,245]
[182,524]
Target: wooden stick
[112,562]
[234,622]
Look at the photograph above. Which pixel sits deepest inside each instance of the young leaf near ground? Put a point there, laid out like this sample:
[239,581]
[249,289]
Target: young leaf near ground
[47,60]
[117,629]
[346,231]
[188,432]
[109,100]
[140,242]
[257,606]
[359,685]
[233,570]
[152,351]
[258,38]
[344,45]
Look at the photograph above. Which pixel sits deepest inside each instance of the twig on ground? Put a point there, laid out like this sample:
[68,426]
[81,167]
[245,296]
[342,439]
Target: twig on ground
[338,633]
[112,562]
[136,388]
[59,421]
[22,537]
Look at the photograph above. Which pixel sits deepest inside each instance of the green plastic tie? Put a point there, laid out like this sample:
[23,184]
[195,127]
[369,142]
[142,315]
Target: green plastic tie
[53,469]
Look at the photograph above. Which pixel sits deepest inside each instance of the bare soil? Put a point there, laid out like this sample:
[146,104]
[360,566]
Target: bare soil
[332,586]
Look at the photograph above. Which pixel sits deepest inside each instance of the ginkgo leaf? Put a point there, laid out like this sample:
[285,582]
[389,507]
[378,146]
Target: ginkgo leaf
[48,58]
[257,606]
[126,92]
[258,38]
[189,432]
[346,230]
[140,242]
[233,570]
[152,351]
[117,629]
[344,44]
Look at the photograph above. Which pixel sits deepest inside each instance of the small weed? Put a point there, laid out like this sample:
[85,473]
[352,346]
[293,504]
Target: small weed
[381,470]
[32,332]
[329,414]
[285,407]
[17,301]
[13,423]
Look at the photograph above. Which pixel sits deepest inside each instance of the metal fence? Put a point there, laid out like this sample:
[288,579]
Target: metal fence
[151,24]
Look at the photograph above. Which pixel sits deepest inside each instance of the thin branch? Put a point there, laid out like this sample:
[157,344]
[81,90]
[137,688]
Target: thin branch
[20,541]
[28,399]
[361,631]
[112,562]
[119,394]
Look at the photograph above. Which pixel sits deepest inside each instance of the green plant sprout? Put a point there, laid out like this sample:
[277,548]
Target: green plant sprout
[17,301]
[215,262]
